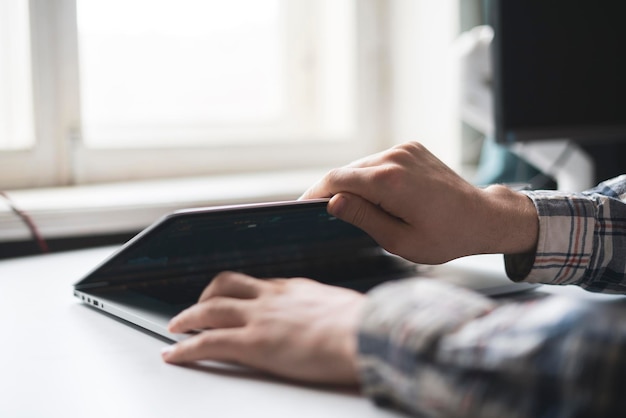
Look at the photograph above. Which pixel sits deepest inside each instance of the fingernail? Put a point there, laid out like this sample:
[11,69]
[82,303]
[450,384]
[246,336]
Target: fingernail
[336,205]
[167,351]
[172,326]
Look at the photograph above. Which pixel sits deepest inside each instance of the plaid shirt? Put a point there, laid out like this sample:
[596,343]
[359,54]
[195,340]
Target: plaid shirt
[437,350]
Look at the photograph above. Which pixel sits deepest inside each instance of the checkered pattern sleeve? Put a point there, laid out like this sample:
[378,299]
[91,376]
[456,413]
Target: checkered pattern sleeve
[582,239]
[435,350]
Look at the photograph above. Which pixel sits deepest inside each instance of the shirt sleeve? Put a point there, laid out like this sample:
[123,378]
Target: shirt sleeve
[582,239]
[437,350]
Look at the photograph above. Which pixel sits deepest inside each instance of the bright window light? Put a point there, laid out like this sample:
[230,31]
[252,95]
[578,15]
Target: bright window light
[98,91]
[165,72]
[16,105]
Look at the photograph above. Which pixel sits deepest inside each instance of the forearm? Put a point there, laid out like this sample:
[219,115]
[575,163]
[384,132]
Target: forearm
[523,359]
[509,222]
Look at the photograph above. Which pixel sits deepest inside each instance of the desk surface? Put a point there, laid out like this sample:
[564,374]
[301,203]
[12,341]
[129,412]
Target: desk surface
[62,358]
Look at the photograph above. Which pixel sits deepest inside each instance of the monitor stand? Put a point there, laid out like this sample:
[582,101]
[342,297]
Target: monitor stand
[571,167]
[608,156]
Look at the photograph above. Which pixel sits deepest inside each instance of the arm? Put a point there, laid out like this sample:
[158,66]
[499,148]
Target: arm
[421,345]
[582,239]
[417,207]
[440,351]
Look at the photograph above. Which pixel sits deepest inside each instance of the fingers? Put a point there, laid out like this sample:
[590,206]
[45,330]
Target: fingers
[357,176]
[218,312]
[356,180]
[234,285]
[380,225]
[223,304]
[219,345]
[361,206]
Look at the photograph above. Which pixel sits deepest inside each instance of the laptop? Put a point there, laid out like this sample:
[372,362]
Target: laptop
[164,269]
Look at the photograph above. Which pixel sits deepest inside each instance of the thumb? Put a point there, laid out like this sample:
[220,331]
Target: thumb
[386,229]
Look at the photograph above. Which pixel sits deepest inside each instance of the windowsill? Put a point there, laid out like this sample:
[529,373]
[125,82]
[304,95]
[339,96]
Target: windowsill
[105,209]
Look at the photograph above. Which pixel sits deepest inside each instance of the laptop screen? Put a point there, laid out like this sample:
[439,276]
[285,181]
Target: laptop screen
[204,242]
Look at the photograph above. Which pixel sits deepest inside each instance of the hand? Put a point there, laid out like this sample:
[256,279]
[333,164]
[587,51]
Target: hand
[415,206]
[296,328]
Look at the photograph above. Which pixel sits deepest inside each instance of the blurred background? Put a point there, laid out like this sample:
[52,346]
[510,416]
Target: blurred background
[94,91]
[113,113]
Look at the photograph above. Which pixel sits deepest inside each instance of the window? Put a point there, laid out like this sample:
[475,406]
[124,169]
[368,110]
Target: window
[16,108]
[133,89]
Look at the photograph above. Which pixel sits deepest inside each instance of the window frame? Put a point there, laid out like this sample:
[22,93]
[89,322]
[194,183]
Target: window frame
[60,157]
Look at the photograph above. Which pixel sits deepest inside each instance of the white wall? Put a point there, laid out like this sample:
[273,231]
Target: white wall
[423,81]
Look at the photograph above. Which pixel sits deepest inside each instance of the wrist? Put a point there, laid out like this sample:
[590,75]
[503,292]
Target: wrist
[511,221]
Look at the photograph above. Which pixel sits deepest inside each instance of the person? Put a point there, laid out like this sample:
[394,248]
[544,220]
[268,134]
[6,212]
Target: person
[425,346]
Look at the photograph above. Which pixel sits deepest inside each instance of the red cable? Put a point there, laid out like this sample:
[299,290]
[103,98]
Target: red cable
[34,231]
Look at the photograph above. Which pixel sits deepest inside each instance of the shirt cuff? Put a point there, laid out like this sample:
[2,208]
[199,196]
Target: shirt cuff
[565,240]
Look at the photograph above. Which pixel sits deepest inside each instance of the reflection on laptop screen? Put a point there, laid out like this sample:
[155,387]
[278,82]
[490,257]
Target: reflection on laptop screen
[211,241]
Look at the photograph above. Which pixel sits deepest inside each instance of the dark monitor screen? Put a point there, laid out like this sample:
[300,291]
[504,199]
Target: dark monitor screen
[559,70]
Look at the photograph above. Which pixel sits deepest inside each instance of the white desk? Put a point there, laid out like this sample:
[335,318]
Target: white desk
[61,358]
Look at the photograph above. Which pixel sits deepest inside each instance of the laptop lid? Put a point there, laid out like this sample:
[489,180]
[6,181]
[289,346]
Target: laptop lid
[268,240]
[165,267]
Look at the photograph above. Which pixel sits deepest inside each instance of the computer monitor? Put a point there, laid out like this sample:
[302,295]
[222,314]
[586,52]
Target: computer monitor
[559,69]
